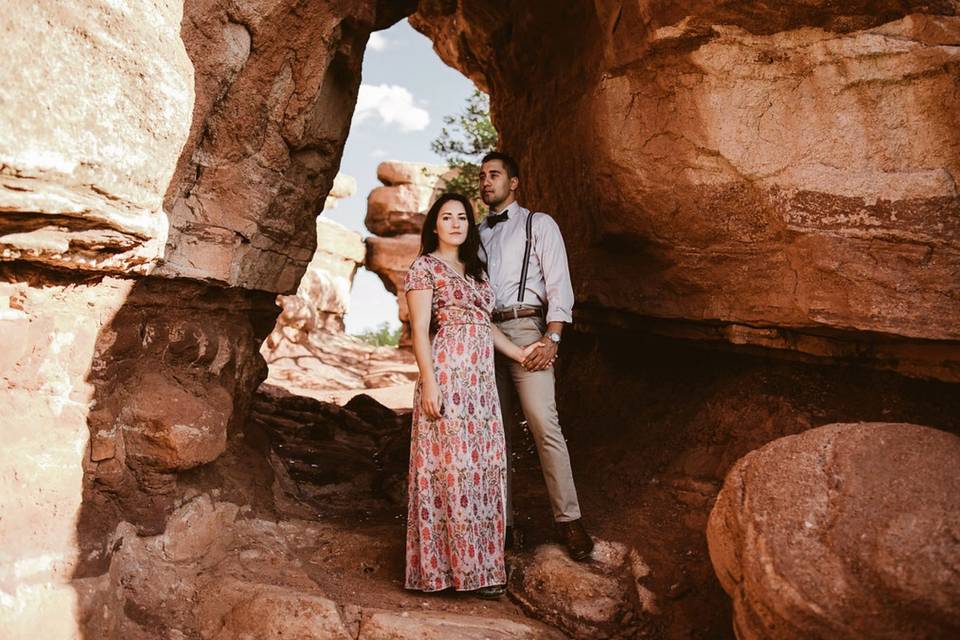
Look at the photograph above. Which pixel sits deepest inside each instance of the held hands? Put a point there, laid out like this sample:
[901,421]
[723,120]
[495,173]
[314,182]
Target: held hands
[524,352]
[430,399]
[540,355]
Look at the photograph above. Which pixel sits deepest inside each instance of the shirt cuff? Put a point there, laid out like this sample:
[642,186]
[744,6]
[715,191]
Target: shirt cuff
[559,315]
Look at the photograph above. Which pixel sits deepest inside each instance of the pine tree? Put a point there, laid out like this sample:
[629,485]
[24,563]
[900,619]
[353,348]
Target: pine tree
[468,136]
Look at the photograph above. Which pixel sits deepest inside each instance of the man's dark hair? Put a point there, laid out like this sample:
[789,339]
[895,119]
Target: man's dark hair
[513,170]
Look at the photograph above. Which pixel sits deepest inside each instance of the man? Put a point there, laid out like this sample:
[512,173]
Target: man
[534,298]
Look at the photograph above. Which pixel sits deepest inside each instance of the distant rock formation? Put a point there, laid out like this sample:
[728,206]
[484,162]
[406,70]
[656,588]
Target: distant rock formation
[323,295]
[395,212]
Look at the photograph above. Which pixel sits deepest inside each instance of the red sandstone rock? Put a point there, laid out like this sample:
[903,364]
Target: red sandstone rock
[95,112]
[49,340]
[376,625]
[172,428]
[390,258]
[844,531]
[323,295]
[275,94]
[604,597]
[216,576]
[239,609]
[783,167]
[95,109]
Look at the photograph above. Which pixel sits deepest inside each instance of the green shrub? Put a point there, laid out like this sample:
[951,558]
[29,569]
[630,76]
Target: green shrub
[381,336]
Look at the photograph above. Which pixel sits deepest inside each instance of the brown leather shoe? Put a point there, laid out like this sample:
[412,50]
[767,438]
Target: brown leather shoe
[575,537]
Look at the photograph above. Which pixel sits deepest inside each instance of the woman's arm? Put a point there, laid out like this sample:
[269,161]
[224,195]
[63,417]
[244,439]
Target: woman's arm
[419,302]
[504,345]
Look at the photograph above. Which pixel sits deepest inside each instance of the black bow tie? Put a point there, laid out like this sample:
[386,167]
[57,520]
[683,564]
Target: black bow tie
[496,218]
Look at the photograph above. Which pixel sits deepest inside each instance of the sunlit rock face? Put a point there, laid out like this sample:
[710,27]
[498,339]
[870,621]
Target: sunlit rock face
[778,176]
[94,110]
[191,141]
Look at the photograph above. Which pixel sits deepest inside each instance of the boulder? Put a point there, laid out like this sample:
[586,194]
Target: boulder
[602,598]
[843,531]
[174,427]
[417,625]
[248,610]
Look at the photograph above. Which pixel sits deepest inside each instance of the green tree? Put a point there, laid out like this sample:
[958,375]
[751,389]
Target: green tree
[466,138]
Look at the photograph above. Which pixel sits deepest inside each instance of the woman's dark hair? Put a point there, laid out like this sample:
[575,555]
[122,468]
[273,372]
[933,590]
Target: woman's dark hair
[468,251]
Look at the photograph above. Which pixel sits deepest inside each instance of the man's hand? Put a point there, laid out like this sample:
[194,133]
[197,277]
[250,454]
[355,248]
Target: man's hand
[542,358]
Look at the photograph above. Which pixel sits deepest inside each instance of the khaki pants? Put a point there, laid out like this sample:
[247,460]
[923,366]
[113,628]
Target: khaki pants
[535,390]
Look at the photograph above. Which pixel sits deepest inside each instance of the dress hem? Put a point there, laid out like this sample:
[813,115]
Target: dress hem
[450,586]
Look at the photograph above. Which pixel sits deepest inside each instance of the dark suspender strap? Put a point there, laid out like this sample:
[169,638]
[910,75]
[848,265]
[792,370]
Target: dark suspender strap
[526,258]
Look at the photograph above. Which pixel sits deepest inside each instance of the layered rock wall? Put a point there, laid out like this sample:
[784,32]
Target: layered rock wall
[90,129]
[771,178]
[778,176]
[161,167]
[93,113]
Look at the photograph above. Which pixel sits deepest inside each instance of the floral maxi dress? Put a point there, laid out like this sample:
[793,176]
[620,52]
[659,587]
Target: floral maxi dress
[457,481]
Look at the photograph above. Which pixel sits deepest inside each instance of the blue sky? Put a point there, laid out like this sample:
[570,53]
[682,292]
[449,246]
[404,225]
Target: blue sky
[406,91]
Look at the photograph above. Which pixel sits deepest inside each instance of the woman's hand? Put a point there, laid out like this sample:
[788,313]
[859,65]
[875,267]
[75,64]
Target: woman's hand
[430,399]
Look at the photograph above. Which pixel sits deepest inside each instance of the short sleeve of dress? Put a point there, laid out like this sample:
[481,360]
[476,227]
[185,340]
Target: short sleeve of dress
[419,276]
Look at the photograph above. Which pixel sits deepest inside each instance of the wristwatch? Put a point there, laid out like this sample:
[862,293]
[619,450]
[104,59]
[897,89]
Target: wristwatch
[554,337]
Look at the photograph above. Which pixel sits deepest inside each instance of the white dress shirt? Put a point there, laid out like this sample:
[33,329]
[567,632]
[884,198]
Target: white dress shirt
[548,276]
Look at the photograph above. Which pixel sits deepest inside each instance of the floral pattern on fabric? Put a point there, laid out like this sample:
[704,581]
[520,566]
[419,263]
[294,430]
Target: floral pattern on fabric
[457,479]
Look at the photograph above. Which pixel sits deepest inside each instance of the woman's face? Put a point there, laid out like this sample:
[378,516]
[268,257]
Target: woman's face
[452,223]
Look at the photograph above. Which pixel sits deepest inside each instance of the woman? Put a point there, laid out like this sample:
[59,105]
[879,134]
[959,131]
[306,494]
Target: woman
[457,481]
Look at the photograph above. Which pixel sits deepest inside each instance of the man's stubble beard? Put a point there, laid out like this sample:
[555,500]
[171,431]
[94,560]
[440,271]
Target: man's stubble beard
[495,206]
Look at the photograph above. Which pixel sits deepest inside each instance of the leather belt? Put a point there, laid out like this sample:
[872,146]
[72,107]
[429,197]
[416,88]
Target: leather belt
[516,312]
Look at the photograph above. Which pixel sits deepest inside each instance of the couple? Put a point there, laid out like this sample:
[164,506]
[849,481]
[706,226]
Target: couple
[502,285]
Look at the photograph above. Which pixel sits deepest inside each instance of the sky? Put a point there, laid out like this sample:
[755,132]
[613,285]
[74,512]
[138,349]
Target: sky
[405,92]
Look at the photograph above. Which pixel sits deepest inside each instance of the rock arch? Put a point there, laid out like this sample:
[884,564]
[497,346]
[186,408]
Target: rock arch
[150,212]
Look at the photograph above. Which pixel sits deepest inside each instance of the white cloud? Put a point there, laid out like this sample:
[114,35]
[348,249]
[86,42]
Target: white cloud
[392,104]
[377,41]
[378,153]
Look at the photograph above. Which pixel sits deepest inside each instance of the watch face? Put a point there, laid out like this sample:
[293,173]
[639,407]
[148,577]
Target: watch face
[554,336]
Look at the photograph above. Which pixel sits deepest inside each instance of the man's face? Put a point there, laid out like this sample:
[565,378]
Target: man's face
[495,185]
